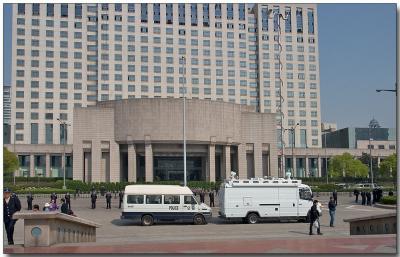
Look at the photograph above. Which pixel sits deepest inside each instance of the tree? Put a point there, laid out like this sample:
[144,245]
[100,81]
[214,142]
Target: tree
[346,166]
[365,158]
[10,162]
[388,167]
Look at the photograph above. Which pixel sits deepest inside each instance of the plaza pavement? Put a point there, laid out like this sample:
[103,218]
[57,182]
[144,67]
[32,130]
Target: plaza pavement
[218,236]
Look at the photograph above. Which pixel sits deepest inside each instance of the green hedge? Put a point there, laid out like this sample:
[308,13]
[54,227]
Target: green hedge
[43,191]
[389,200]
[30,179]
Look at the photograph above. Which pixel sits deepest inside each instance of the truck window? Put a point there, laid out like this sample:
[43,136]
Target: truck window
[135,199]
[171,199]
[189,199]
[153,199]
[305,194]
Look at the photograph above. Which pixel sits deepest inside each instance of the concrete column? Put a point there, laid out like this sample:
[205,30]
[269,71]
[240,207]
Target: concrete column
[132,163]
[32,165]
[47,172]
[319,166]
[242,161]
[115,169]
[211,163]
[78,163]
[63,163]
[257,153]
[306,167]
[148,162]
[97,176]
[379,161]
[226,162]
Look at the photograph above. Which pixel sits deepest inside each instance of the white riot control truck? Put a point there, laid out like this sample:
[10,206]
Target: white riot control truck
[264,198]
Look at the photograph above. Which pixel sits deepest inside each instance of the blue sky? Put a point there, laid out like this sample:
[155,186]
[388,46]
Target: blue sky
[357,47]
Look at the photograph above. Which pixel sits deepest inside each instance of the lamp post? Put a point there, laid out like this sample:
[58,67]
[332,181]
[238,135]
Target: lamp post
[183,59]
[64,127]
[292,130]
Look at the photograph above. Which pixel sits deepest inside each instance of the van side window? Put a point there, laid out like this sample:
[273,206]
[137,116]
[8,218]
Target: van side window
[153,199]
[305,194]
[172,199]
[188,199]
[135,199]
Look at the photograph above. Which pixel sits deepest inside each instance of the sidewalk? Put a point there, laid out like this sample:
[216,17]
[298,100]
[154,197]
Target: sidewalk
[313,244]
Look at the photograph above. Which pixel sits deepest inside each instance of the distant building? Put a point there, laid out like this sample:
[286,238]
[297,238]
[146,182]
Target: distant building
[328,126]
[6,114]
[359,138]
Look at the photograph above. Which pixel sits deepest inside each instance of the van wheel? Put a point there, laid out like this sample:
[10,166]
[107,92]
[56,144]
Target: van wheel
[199,220]
[147,220]
[252,218]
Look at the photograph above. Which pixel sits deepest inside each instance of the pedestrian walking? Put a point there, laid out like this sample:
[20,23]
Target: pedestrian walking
[363,196]
[314,214]
[64,206]
[11,205]
[332,210]
[211,195]
[202,194]
[368,194]
[29,199]
[334,194]
[93,197]
[67,198]
[121,198]
[356,193]
[108,199]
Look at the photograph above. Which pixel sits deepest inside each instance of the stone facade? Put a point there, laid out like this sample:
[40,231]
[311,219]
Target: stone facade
[151,127]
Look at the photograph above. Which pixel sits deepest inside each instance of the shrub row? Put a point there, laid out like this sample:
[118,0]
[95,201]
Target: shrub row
[43,191]
[389,200]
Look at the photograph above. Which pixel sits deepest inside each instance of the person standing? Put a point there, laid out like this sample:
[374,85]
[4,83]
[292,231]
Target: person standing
[363,197]
[108,199]
[53,196]
[314,218]
[202,194]
[368,194]
[29,199]
[64,206]
[68,200]
[121,198]
[93,197]
[332,210]
[211,195]
[356,193]
[11,205]
[334,194]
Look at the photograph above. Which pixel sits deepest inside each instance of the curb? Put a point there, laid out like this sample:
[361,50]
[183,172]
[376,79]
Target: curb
[385,206]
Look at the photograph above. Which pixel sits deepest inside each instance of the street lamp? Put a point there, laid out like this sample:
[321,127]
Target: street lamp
[64,127]
[292,130]
[371,126]
[183,60]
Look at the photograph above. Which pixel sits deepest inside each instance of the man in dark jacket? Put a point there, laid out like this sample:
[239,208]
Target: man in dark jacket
[356,193]
[334,194]
[314,216]
[211,195]
[368,195]
[202,194]
[64,206]
[11,205]
[363,197]
[93,197]
[29,199]
[332,210]
[121,198]
[68,200]
[108,199]
[53,196]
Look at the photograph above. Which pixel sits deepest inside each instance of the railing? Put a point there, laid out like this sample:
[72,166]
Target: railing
[376,224]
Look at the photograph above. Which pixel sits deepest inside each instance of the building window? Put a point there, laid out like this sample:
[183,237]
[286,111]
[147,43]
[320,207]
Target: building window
[118,7]
[78,11]
[242,12]
[299,20]
[21,9]
[206,15]
[218,13]
[276,18]
[143,12]
[131,8]
[310,15]
[193,10]
[181,14]
[36,9]
[49,133]
[64,10]
[169,13]
[288,23]
[156,13]
[229,11]
[50,10]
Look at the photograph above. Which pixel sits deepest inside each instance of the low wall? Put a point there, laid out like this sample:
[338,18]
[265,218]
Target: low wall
[45,229]
[376,224]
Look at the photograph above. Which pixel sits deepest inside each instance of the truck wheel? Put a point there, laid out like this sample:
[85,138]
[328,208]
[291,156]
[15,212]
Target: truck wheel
[147,220]
[252,218]
[199,220]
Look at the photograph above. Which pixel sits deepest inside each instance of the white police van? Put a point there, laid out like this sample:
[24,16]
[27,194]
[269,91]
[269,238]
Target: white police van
[151,204]
[264,198]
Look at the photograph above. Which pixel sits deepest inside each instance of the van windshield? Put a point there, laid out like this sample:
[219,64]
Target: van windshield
[305,194]
[189,199]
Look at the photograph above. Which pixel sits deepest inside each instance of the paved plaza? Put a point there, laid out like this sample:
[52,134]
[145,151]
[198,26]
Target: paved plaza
[116,235]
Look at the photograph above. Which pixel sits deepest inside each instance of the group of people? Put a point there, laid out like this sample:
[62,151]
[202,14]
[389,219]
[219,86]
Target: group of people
[368,198]
[202,193]
[108,196]
[52,205]
[315,213]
